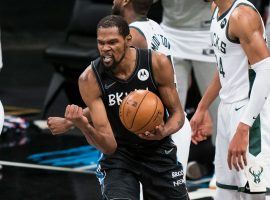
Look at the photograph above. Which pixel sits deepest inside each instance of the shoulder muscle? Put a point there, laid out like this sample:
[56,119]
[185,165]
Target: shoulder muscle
[162,69]
[88,85]
[138,39]
[244,22]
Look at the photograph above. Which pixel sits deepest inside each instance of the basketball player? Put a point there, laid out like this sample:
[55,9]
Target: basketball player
[128,159]
[186,24]
[243,84]
[145,34]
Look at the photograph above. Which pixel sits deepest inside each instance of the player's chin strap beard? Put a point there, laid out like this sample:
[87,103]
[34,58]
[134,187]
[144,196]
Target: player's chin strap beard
[120,60]
[112,68]
[122,57]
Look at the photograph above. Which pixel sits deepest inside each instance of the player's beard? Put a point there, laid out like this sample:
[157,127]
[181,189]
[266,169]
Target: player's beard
[114,64]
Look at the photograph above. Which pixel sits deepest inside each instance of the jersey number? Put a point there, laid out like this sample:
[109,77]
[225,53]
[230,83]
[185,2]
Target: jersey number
[220,66]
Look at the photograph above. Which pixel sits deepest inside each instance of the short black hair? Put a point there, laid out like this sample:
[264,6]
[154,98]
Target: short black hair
[115,21]
[142,6]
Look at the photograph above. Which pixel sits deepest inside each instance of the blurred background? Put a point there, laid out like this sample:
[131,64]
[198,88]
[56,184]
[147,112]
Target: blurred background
[27,29]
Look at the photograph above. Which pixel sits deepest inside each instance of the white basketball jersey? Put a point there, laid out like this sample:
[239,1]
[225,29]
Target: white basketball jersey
[154,35]
[232,61]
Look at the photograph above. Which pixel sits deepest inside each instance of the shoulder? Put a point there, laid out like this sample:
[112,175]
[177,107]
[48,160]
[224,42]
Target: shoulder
[88,75]
[162,68]
[88,82]
[136,31]
[138,37]
[244,20]
[159,59]
[245,15]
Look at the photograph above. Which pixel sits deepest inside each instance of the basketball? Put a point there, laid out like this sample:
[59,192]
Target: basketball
[141,111]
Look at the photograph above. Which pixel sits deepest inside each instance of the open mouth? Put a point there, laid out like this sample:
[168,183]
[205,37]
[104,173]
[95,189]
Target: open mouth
[107,59]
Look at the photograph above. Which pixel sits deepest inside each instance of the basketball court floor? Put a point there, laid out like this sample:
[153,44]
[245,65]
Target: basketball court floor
[58,167]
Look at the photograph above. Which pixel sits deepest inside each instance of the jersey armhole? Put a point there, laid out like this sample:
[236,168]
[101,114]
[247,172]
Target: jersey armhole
[151,68]
[139,30]
[235,41]
[93,64]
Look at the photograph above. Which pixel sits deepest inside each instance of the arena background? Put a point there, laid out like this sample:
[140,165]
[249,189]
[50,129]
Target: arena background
[27,29]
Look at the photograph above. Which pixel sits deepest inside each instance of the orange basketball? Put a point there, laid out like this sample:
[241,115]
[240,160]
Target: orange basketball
[141,111]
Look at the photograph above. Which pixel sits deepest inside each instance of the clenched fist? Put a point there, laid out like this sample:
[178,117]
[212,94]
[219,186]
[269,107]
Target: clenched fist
[58,125]
[74,114]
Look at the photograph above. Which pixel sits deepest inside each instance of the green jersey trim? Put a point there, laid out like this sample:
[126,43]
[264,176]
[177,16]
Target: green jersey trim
[255,143]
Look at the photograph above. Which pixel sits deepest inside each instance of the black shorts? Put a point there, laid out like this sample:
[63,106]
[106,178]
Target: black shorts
[156,168]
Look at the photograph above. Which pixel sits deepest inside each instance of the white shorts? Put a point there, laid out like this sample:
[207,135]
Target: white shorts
[258,151]
[182,140]
[190,45]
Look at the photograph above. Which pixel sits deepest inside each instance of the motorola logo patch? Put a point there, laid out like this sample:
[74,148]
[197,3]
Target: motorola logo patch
[143,74]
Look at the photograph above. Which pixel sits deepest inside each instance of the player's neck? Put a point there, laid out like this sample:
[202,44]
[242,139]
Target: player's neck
[126,67]
[130,16]
[223,5]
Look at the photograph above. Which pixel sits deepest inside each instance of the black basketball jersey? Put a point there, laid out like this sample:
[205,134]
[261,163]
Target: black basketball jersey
[114,91]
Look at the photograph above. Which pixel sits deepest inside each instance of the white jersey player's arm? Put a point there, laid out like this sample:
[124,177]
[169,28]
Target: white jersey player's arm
[201,117]
[138,39]
[246,26]
[253,43]
[210,94]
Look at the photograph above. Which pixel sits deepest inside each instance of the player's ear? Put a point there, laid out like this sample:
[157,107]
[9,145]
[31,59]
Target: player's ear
[128,39]
[126,2]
